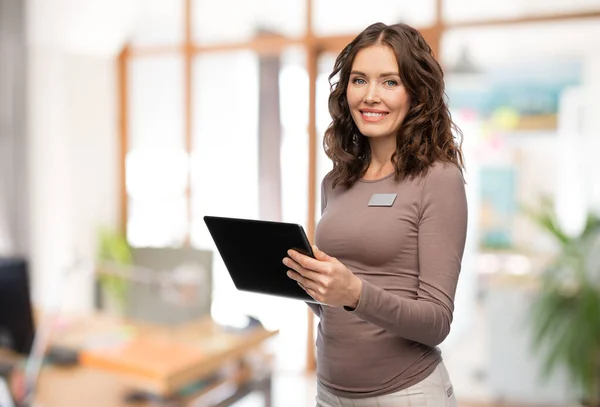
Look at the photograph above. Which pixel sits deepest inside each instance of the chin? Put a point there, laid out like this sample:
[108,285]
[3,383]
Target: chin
[375,134]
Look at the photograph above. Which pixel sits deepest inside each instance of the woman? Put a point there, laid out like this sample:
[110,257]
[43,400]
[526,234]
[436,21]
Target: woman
[393,227]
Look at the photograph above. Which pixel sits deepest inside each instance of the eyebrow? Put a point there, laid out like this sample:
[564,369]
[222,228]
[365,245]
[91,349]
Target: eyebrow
[381,76]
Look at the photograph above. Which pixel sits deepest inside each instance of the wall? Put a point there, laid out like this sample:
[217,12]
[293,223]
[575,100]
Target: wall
[73,161]
[13,217]
[72,137]
[591,125]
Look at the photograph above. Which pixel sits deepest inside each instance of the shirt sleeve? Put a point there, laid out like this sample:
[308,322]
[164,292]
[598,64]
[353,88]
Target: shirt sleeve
[316,307]
[441,242]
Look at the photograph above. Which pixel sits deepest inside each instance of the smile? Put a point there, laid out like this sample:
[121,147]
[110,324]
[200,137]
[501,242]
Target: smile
[372,116]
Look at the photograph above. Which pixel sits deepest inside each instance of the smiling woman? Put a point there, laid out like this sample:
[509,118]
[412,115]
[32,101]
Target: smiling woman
[387,77]
[377,99]
[390,248]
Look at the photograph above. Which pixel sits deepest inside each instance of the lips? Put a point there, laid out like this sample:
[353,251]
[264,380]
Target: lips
[372,115]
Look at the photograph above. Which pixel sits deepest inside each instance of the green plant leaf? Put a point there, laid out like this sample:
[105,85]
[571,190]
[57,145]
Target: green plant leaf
[114,250]
[565,315]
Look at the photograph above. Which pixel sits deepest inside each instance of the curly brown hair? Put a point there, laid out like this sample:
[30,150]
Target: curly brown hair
[425,135]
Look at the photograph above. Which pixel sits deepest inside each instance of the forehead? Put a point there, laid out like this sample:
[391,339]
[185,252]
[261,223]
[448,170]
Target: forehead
[374,59]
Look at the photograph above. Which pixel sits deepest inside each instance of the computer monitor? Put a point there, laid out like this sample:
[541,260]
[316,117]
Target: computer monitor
[16,317]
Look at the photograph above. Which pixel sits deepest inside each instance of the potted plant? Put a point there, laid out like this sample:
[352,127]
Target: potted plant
[114,257]
[565,314]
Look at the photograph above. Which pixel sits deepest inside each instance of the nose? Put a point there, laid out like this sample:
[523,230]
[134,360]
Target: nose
[372,95]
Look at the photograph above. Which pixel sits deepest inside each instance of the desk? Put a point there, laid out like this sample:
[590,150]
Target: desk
[232,363]
[90,387]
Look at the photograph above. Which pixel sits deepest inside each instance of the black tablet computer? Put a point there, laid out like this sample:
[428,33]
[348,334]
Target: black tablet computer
[253,251]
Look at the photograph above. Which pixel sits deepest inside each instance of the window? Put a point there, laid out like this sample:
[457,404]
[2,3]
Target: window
[157,163]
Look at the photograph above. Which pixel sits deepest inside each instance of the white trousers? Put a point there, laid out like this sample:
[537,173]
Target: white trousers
[434,391]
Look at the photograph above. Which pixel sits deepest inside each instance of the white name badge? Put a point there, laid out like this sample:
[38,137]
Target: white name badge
[382,199]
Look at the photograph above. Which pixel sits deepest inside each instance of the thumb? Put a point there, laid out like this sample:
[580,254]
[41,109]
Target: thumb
[319,255]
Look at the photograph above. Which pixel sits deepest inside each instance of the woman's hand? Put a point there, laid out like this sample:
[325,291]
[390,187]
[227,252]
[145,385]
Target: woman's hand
[325,279]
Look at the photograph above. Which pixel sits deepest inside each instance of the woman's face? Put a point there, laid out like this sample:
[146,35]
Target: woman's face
[377,99]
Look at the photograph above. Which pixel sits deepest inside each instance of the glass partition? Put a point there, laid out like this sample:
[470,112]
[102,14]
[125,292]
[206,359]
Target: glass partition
[237,21]
[333,17]
[159,23]
[225,174]
[156,163]
[473,10]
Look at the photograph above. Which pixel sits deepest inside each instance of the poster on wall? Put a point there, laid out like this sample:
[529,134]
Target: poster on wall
[509,102]
[524,96]
[498,207]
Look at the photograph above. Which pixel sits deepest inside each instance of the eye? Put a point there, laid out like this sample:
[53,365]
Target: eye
[391,83]
[359,81]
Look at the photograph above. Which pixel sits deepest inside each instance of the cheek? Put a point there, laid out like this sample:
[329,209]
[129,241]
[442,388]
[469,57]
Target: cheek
[400,102]
[353,97]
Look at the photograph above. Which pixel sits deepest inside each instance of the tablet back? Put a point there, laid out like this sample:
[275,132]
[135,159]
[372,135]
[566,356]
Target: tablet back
[253,250]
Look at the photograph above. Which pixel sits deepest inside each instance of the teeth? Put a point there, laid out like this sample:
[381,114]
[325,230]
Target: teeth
[372,114]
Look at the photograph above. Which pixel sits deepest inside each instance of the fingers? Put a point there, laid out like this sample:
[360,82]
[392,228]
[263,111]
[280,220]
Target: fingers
[309,274]
[322,256]
[311,292]
[319,255]
[306,261]
[306,283]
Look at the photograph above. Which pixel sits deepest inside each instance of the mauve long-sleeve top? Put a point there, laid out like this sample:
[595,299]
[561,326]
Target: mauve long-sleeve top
[408,256]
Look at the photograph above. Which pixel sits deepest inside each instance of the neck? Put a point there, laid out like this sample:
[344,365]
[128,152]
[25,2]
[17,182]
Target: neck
[381,156]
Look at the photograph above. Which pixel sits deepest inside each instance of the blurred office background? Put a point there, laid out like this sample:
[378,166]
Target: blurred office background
[141,116]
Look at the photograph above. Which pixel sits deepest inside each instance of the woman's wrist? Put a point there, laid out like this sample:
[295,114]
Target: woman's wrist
[355,291]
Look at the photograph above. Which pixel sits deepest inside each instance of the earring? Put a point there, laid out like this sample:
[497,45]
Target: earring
[354,139]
